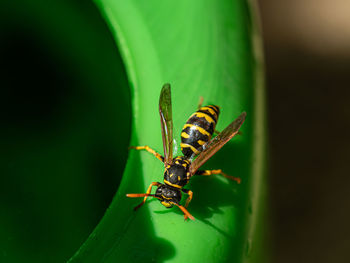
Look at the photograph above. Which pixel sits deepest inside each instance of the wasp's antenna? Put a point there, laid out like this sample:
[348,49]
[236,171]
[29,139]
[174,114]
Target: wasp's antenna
[184,210]
[139,195]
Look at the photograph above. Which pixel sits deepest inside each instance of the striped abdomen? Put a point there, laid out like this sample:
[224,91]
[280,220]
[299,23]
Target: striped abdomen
[198,130]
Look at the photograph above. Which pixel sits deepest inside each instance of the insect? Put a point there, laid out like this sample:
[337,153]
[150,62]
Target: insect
[197,147]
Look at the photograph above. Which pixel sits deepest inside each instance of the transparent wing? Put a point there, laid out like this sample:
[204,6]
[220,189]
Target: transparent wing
[216,143]
[166,120]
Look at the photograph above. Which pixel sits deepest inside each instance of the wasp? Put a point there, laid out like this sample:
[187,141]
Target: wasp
[197,147]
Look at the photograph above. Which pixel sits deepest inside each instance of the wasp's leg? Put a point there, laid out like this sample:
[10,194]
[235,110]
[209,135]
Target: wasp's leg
[200,102]
[147,192]
[150,150]
[210,172]
[189,198]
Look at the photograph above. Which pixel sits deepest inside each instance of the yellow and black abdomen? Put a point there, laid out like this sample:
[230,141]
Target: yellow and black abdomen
[198,130]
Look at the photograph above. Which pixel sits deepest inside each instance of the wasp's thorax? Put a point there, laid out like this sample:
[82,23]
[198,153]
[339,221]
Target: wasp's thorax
[168,195]
[177,174]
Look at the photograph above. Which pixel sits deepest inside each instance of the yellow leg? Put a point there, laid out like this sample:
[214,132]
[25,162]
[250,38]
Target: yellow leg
[150,150]
[211,172]
[188,200]
[147,192]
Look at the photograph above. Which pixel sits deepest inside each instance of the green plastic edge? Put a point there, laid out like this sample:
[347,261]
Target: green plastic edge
[224,231]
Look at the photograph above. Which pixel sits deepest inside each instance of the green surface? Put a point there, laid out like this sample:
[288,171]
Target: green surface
[203,48]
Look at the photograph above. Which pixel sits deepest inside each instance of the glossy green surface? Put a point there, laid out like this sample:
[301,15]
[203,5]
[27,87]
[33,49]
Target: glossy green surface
[203,48]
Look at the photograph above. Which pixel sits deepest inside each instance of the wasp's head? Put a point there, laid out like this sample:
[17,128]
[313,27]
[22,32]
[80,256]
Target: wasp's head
[168,196]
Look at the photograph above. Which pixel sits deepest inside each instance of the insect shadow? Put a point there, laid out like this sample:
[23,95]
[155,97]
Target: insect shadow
[212,193]
[134,240]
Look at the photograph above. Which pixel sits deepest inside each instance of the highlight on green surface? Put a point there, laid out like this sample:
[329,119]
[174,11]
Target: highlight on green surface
[203,48]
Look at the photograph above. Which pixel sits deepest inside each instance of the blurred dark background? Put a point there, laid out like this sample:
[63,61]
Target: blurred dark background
[307,52]
[65,126]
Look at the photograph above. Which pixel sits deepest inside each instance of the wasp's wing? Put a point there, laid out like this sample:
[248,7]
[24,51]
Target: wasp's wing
[166,120]
[216,143]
